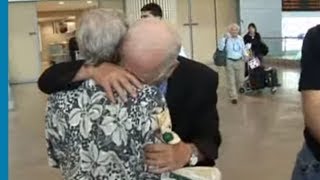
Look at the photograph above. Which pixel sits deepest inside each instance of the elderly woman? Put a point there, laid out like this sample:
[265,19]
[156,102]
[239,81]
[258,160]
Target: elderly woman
[234,46]
[88,136]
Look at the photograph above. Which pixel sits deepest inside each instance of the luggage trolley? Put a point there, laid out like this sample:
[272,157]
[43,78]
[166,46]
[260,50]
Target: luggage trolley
[259,78]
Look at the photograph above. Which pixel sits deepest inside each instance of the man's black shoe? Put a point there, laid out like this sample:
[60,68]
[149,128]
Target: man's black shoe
[234,101]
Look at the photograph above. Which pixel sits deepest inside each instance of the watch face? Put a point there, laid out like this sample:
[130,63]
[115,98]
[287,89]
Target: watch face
[193,160]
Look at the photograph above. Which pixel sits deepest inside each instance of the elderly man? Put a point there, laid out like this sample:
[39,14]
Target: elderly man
[191,95]
[88,136]
[233,43]
[308,161]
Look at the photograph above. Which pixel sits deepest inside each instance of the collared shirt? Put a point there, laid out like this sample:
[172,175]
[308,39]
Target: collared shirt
[182,52]
[163,87]
[234,46]
[89,138]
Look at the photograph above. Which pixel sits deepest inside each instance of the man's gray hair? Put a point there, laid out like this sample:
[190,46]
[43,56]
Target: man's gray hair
[173,48]
[234,25]
[99,34]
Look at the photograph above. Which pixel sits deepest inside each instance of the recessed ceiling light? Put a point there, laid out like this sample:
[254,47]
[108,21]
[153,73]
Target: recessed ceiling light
[61,2]
[89,2]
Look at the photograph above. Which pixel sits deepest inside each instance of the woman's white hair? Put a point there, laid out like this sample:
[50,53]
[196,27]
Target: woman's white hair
[99,33]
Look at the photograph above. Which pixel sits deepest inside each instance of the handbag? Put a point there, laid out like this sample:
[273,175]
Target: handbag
[264,48]
[220,57]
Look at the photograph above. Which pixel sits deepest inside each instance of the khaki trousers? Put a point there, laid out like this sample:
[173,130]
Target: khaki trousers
[235,77]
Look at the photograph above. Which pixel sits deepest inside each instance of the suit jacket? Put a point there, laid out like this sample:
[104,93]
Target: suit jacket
[191,98]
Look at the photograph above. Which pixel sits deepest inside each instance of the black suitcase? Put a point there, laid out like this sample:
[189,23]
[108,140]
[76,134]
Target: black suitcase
[257,78]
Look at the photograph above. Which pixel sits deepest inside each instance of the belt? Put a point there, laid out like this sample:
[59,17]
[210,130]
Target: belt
[234,59]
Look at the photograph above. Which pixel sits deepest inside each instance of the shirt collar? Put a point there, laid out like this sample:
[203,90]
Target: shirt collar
[163,87]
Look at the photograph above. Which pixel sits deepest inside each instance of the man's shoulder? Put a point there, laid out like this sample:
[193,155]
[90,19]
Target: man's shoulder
[312,40]
[316,28]
[195,69]
[313,32]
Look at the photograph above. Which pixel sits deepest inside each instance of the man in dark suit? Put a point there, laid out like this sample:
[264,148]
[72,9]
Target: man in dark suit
[191,96]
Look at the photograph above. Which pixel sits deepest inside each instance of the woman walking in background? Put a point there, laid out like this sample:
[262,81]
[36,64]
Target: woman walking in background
[258,48]
[253,38]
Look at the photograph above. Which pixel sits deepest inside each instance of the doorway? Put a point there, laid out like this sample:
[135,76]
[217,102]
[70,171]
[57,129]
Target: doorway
[24,58]
[195,20]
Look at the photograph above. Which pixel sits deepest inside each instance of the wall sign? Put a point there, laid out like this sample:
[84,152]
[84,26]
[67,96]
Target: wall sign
[301,5]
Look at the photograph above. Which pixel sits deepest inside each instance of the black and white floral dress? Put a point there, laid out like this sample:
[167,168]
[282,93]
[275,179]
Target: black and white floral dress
[89,138]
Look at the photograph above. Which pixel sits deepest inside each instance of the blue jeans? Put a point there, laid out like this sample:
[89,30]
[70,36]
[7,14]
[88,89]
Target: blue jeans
[307,167]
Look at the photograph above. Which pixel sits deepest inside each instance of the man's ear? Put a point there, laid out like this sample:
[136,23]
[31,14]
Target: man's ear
[176,64]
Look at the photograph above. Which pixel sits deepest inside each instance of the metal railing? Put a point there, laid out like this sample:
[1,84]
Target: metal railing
[288,47]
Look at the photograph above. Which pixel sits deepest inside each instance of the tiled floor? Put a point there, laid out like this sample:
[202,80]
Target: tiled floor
[261,135]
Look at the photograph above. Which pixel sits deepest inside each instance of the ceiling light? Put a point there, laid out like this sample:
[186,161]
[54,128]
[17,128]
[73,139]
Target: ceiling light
[89,2]
[71,17]
[61,2]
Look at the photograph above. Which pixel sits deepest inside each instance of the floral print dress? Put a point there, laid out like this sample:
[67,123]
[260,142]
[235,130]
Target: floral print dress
[89,138]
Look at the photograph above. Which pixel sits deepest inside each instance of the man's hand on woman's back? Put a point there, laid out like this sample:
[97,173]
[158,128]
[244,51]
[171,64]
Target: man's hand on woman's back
[112,78]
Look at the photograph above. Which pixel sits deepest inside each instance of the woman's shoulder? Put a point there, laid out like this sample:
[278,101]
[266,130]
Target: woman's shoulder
[258,35]
[246,37]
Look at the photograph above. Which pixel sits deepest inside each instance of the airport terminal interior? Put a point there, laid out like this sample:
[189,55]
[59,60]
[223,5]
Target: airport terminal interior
[261,135]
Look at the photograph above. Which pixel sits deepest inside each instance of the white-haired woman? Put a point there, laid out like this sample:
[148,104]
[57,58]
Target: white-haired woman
[233,43]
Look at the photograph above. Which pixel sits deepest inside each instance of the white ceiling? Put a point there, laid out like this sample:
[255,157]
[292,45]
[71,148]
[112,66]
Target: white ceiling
[69,5]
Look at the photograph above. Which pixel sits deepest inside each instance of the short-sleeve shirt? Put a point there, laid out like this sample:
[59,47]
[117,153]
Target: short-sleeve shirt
[310,76]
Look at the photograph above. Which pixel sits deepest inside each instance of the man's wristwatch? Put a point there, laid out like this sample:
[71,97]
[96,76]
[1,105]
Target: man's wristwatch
[194,156]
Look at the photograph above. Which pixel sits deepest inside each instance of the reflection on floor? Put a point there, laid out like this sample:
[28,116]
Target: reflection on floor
[261,135]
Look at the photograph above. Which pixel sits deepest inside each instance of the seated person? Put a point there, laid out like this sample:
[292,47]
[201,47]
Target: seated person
[258,72]
[88,136]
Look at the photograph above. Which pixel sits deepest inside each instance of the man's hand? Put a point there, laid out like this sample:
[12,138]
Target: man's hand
[114,78]
[162,158]
[247,58]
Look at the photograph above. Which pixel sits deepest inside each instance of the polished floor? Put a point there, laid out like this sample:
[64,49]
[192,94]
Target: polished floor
[261,135]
